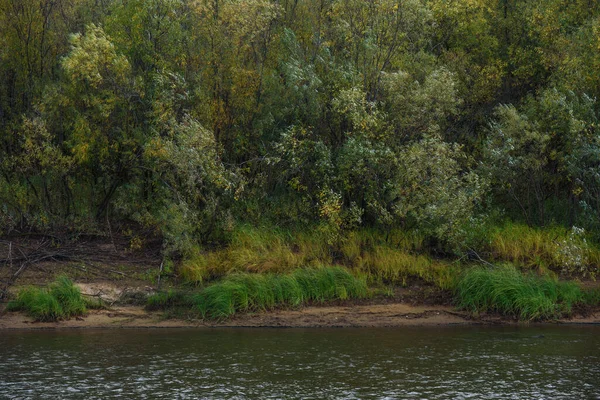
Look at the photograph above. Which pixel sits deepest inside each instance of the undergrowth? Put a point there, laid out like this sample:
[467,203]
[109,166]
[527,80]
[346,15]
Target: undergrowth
[257,250]
[256,267]
[391,257]
[388,265]
[563,250]
[507,291]
[60,300]
[244,292]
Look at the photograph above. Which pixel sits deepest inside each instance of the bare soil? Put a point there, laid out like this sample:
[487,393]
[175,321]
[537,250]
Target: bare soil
[377,315]
[383,315]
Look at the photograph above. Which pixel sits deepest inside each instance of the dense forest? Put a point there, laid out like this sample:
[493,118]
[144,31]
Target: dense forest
[189,119]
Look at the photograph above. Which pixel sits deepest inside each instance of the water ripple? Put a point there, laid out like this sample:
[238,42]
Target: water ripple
[425,363]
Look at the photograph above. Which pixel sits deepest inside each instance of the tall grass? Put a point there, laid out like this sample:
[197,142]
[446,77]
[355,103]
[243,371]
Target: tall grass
[258,250]
[390,256]
[62,299]
[591,297]
[507,291]
[557,248]
[389,265]
[357,243]
[243,292]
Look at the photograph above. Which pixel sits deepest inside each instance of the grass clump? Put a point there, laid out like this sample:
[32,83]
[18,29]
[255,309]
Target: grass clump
[591,297]
[245,292]
[62,299]
[68,296]
[507,291]
[255,292]
[169,299]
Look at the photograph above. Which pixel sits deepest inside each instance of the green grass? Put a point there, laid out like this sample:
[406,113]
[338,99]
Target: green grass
[393,257]
[384,256]
[61,300]
[244,292]
[169,299]
[393,266]
[257,250]
[552,248]
[507,291]
[591,297]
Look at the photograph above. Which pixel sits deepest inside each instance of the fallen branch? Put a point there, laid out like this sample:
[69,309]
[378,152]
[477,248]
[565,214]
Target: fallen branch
[478,258]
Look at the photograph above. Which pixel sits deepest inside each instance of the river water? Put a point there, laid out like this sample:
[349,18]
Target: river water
[402,363]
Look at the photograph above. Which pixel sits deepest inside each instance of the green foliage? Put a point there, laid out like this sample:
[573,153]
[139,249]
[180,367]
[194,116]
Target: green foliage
[591,297]
[240,293]
[532,151]
[30,184]
[439,195]
[68,296]
[38,304]
[190,118]
[61,300]
[367,176]
[507,291]
[416,108]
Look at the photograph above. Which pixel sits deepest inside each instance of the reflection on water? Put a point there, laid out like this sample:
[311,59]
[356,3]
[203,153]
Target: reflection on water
[403,363]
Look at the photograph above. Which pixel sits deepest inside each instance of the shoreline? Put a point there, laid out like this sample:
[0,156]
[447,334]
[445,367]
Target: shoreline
[392,315]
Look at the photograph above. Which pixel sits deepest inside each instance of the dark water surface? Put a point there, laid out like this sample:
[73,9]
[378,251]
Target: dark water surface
[403,363]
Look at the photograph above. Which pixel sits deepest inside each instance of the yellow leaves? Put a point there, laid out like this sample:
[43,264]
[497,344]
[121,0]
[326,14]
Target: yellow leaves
[81,152]
[87,142]
[460,9]
[37,154]
[242,21]
[93,60]
[487,81]
[295,183]
[156,149]
[596,33]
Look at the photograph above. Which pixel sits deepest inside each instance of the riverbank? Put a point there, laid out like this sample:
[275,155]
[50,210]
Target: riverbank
[125,305]
[352,315]
[381,287]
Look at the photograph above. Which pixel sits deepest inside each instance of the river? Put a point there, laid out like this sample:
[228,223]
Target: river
[535,362]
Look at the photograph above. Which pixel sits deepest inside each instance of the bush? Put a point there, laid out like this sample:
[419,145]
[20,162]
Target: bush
[68,296]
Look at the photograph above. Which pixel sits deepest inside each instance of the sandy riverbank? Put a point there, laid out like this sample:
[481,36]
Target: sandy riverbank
[382,315]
